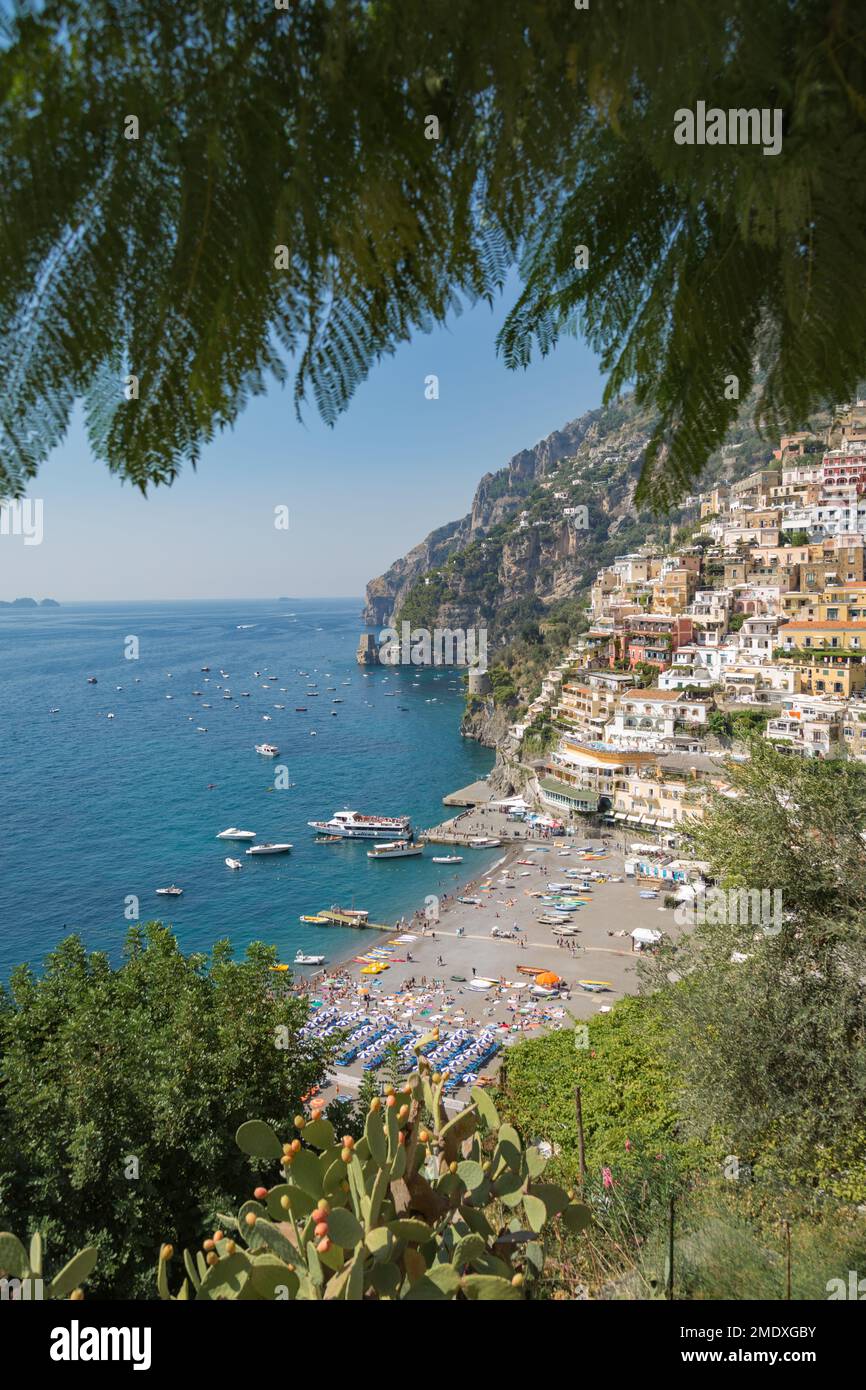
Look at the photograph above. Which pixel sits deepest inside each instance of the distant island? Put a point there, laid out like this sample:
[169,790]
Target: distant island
[29,603]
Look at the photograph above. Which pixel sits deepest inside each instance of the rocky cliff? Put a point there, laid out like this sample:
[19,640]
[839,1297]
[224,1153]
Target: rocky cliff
[525,548]
[498,497]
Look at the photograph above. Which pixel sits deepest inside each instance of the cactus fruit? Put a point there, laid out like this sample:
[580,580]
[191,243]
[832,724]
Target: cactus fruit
[454,1209]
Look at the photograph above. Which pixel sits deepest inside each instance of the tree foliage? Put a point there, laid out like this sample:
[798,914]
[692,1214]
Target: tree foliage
[307,128]
[768,1018]
[121,1090]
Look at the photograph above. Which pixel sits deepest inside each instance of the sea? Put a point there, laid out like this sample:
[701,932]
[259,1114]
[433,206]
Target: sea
[96,813]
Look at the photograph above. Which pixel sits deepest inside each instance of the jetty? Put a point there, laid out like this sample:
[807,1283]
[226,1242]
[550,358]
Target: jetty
[334,918]
[476,794]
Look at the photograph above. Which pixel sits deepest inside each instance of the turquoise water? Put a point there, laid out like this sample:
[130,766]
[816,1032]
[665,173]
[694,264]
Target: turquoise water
[95,810]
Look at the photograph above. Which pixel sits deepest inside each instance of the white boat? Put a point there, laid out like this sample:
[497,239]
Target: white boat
[233,833]
[234,864]
[171,892]
[395,849]
[352,825]
[301,959]
[268,750]
[269,849]
[447,858]
[485,842]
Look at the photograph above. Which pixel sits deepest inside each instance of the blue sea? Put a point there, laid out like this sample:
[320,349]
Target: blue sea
[95,811]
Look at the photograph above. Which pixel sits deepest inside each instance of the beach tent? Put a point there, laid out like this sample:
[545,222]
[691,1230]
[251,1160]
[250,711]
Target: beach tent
[547,977]
[646,936]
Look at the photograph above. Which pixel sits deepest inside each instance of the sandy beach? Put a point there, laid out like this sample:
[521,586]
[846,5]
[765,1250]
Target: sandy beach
[419,990]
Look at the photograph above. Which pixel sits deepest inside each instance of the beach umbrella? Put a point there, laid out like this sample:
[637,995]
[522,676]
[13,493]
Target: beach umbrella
[547,977]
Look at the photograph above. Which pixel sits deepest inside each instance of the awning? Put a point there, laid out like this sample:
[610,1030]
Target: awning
[636,820]
[619,815]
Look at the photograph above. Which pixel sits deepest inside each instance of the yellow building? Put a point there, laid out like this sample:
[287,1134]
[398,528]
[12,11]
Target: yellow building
[824,636]
[832,605]
[843,678]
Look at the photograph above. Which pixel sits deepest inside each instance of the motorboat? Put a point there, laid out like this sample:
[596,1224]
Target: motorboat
[91,680]
[268,750]
[447,858]
[267,848]
[234,864]
[301,959]
[233,833]
[471,902]
[395,849]
[170,892]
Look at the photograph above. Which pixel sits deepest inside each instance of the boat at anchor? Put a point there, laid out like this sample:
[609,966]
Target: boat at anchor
[395,849]
[352,825]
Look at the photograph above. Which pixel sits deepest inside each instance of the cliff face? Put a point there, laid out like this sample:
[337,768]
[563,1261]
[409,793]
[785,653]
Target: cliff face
[498,497]
[522,555]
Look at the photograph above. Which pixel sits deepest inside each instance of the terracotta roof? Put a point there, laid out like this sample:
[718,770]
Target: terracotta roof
[818,626]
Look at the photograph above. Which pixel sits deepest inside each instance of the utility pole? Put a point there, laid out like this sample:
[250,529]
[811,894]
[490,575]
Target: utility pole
[669,1291]
[581,1148]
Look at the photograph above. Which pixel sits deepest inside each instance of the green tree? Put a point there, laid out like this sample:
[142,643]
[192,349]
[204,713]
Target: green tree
[121,1090]
[768,1018]
[196,195]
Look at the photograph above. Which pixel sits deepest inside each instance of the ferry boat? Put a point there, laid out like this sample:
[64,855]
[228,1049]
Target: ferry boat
[395,849]
[352,825]
[268,750]
[269,849]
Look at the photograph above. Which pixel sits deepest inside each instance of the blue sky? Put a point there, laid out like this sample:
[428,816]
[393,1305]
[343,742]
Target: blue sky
[359,495]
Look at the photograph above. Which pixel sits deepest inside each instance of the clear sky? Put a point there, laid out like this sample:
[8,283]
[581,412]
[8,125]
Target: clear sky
[359,495]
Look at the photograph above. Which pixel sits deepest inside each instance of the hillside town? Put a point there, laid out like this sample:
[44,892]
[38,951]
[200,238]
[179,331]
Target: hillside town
[752,621]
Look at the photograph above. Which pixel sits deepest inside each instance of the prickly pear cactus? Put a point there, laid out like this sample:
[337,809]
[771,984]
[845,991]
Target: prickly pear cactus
[21,1272]
[452,1209]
